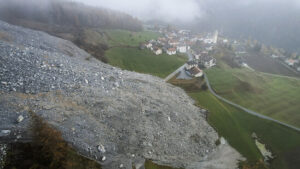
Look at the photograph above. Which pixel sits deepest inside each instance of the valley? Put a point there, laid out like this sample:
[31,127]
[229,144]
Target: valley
[88,87]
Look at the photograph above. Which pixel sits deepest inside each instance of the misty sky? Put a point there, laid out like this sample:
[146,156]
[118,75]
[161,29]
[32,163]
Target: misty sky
[178,10]
[184,10]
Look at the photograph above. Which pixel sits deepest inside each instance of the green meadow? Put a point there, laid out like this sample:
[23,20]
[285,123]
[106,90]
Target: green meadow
[127,38]
[274,96]
[144,61]
[237,127]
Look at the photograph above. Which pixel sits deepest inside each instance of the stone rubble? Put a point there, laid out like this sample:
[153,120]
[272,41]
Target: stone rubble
[134,116]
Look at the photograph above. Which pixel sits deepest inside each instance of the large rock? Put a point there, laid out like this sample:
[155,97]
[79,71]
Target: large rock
[132,115]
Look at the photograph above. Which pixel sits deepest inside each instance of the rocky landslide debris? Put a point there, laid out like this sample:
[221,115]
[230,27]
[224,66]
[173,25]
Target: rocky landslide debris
[134,116]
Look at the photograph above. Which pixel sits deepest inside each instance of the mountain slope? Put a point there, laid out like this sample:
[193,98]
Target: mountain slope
[66,13]
[101,110]
[76,22]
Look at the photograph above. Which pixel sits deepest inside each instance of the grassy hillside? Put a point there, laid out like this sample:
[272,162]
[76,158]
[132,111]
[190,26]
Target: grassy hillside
[144,61]
[277,97]
[127,38]
[272,95]
[237,127]
[67,13]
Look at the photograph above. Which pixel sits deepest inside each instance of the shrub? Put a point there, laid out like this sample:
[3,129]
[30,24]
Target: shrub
[204,86]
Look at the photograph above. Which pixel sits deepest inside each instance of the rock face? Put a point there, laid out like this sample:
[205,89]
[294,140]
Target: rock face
[104,112]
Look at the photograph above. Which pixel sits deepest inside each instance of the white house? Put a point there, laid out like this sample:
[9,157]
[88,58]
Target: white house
[208,41]
[207,61]
[182,48]
[157,51]
[173,42]
[298,69]
[290,62]
[196,72]
[149,45]
[209,48]
[171,51]
[191,64]
[184,32]
[197,56]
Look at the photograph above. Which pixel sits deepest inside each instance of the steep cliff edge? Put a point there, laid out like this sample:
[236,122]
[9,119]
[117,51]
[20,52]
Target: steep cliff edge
[113,116]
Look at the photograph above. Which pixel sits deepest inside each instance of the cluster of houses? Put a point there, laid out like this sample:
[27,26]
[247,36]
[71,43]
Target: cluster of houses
[200,56]
[171,43]
[200,61]
[177,41]
[182,41]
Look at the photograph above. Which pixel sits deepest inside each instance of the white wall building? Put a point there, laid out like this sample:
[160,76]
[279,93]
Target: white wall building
[197,56]
[157,51]
[149,45]
[210,63]
[171,51]
[196,72]
[182,48]
[215,38]
[191,64]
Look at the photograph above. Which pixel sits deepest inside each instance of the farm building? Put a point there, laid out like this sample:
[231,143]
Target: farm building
[196,72]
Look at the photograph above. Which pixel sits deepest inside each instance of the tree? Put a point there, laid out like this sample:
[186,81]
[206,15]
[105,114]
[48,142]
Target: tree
[204,87]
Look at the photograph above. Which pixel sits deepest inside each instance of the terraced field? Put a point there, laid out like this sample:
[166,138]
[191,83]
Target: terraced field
[277,97]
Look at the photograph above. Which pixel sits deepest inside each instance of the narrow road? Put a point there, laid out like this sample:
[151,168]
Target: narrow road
[245,109]
[272,74]
[229,102]
[174,73]
[287,66]
[190,57]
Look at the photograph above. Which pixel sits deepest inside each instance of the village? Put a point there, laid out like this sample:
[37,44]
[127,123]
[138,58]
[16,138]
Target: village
[174,42]
[198,47]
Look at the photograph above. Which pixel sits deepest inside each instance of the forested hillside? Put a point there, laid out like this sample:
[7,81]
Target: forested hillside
[72,21]
[67,13]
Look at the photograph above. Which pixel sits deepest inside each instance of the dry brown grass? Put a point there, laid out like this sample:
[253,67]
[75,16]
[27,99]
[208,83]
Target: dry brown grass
[195,84]
[48,150]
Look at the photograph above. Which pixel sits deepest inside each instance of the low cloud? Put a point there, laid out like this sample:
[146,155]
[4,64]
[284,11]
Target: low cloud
[167,10]
[186,10]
